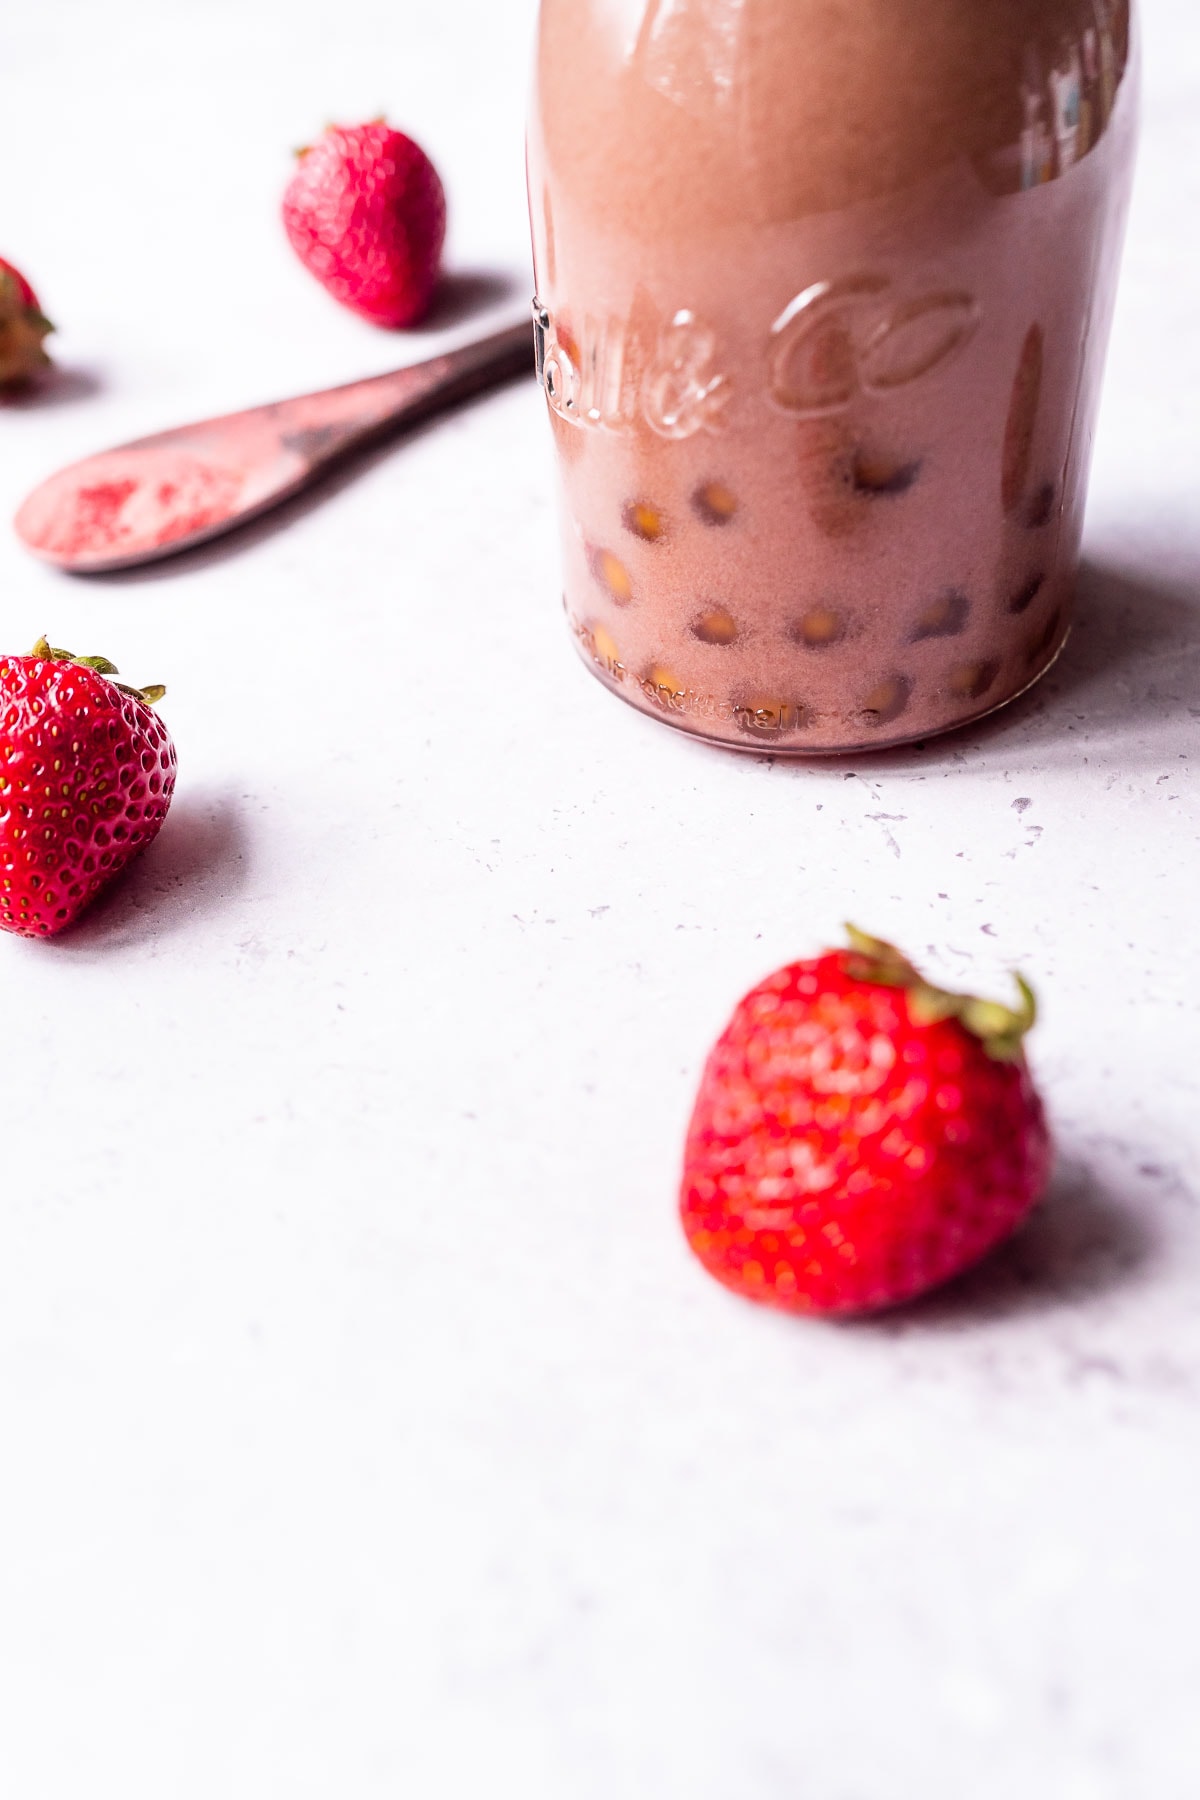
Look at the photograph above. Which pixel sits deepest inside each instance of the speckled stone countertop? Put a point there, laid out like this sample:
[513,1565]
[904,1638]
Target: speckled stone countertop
[367,1428]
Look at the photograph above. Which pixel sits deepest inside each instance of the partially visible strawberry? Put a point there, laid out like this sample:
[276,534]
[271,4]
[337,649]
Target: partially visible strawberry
[23,325]
[860,1136]
[86,775]
[366,212]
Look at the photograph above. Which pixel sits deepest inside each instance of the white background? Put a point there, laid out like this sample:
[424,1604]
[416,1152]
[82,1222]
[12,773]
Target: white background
[365,1427]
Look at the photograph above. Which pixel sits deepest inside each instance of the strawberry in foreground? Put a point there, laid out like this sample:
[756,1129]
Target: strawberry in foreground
[86,775]
[860,1136]
[366,212]
[23,326]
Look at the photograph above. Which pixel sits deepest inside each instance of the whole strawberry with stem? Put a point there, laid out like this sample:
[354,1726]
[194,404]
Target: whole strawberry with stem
[861,1136]
[87,770]
[366,212]
[23,328]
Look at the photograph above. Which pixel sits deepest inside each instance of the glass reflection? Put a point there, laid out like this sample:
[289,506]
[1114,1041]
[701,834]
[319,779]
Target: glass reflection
[1069,82]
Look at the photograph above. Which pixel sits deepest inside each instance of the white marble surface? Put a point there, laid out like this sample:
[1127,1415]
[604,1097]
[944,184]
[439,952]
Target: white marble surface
[367,1430]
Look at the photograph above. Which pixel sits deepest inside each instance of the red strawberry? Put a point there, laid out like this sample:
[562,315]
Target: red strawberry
[860,1136]
[86,773]
[366,212]
[23,325]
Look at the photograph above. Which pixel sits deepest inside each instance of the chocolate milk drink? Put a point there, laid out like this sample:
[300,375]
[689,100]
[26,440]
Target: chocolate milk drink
[823,294]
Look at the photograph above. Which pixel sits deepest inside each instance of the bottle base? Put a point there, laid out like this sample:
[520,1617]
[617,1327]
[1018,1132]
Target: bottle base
[767,732]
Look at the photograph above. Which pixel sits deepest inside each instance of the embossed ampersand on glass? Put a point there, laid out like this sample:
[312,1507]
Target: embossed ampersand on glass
[822,305]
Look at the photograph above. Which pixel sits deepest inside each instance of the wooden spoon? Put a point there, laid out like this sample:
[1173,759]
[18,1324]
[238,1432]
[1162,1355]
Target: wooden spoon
[166,493]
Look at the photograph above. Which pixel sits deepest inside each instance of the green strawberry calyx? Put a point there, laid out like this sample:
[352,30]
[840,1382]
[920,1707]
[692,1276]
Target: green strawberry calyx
[1000,1029]
[22,329]
[100,665]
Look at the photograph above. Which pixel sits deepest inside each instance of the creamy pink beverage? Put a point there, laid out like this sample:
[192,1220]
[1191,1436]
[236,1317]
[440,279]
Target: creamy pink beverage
[823,297]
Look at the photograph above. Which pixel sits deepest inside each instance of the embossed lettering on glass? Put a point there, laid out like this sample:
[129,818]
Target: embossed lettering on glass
[823,296]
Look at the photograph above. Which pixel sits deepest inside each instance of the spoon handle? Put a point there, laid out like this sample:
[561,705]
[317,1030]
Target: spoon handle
[318,427]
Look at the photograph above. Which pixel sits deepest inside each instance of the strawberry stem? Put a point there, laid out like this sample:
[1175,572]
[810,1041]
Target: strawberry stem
[100,665]
[1000,1029]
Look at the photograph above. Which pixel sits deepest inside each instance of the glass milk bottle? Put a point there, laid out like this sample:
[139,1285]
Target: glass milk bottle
[823,294]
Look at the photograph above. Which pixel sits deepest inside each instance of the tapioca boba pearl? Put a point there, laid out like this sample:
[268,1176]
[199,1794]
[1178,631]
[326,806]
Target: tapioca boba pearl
[1021,426]
[768,716]
[944,617]
[886,701]
[1027,593]
[1044,640]
[716,627]
[604,645]
[663,688]
[819,627]
[843,485]
[644,521]
[612,575]
[1037,513]
[971,681]
[715,503]
[566,343]
[873,472]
